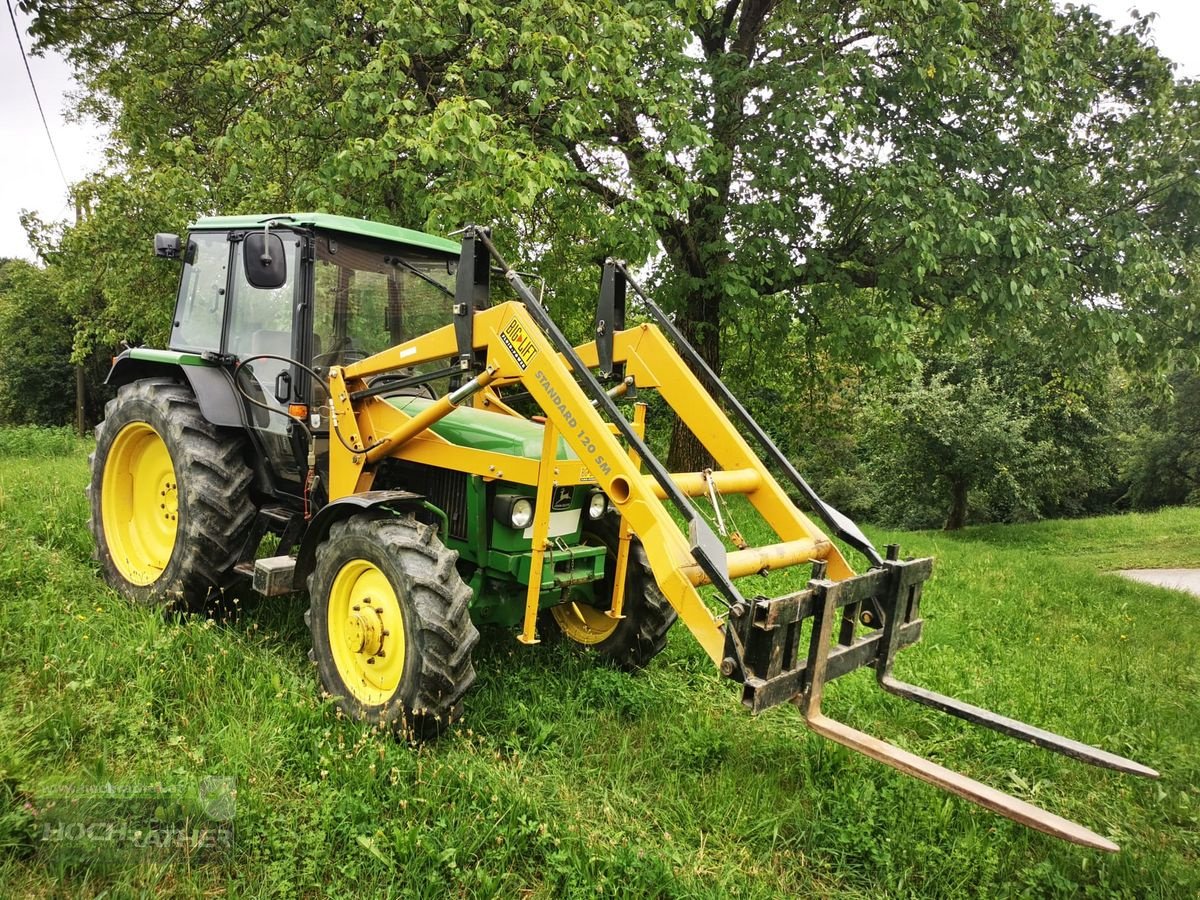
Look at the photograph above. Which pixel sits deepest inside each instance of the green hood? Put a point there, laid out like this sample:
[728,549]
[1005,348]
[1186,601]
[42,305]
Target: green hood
[483,430]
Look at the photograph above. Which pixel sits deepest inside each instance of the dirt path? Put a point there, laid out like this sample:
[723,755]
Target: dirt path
[1178,579]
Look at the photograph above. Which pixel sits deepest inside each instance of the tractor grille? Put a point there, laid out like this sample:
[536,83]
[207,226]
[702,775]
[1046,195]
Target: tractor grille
[444,489]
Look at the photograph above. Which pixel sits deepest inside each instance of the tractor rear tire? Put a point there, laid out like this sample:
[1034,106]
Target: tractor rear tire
[628,643]
[169,496]
[392,634]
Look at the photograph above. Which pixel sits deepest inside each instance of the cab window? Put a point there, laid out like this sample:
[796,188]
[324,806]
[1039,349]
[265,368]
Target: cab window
[368,298]
[201,305]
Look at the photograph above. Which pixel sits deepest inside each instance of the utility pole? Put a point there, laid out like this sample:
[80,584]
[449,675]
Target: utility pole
[80,423]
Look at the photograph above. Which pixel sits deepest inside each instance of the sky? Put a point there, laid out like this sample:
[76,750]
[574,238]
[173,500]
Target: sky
[31,180]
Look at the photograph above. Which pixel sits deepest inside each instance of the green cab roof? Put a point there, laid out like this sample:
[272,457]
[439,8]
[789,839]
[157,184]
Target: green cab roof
[326,222]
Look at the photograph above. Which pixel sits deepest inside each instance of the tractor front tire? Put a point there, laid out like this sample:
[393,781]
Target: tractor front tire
[392,635]
[628,643]
[169,496]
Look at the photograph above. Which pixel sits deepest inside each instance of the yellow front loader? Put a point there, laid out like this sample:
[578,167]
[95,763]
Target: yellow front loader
[760,642]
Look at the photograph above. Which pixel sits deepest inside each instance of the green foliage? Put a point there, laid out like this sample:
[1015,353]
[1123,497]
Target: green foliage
[982,436]
[876,169]
[37,381]
[826,194]
[570,780]
[1164,464]
[37,440]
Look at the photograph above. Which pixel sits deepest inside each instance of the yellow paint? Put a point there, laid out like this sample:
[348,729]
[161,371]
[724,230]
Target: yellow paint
[547,477]
[366,632]
[520,355]
[139,503]
[625,532]
[582,623]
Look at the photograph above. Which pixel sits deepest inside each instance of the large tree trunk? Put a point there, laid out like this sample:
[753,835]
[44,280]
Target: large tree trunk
[701,325]
[958,504]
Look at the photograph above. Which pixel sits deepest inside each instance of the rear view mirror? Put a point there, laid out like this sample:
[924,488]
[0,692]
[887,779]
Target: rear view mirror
[166,245]
[266,264]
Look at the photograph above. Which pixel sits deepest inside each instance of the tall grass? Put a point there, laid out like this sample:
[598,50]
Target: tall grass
[568,779]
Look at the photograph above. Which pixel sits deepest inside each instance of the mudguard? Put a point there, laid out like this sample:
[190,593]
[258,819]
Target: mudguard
[212,385]
[381,502]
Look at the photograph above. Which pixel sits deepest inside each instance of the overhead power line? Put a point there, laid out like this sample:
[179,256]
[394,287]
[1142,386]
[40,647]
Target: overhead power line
[25,59]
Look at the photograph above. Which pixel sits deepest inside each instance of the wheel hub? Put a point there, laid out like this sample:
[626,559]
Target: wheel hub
[365,631]
[168,494]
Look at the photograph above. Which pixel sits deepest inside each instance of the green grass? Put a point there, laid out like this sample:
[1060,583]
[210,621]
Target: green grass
[568,779]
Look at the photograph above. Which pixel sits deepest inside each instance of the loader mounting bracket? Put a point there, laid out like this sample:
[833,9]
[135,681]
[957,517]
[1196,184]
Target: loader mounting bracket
[764,640]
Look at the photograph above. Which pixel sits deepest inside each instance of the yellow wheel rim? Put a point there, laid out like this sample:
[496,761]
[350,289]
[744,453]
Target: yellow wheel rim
[583,623]
[139,504]
[366,632]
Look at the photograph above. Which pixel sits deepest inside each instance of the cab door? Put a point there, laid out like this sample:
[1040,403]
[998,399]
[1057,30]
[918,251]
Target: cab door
[261,332]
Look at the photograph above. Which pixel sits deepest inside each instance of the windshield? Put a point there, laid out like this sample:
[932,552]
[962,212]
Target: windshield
[369,296]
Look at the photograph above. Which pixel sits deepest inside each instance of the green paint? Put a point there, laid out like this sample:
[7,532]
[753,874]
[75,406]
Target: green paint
[500,589]
[172,357]
[484,430]
[327,222]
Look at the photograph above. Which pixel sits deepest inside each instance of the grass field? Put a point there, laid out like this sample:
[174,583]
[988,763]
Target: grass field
[568,779]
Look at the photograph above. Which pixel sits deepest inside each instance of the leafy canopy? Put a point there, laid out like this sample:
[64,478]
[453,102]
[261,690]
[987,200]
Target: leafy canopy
[883,174]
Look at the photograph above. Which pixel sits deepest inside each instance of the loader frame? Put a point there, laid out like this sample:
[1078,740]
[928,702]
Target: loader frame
[779,649]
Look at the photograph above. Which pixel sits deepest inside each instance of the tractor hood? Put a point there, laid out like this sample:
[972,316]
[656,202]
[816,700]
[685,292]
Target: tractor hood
[482,430]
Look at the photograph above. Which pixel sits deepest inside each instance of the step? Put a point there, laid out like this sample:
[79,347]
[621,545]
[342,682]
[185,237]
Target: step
[273,575]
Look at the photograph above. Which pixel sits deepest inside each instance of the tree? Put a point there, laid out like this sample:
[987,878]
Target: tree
[1164,465]
[872,170]
[37,381]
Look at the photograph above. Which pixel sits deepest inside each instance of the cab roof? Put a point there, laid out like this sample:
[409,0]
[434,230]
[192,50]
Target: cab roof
[327,222]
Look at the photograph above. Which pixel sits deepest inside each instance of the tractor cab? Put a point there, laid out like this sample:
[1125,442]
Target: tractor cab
[337,290]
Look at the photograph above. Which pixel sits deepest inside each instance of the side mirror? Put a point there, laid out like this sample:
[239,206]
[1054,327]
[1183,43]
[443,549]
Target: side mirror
[266,264]
[166,245]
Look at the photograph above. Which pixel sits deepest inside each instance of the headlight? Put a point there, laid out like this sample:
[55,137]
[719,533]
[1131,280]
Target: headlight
[597,505]
[521,512]
[513,510]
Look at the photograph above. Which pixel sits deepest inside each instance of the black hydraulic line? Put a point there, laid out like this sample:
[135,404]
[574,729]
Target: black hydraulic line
[706,547]
[237,369]
[842,525]
[409,381]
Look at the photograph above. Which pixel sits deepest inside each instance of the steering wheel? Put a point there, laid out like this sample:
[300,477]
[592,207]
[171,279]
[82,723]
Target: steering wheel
[338,357]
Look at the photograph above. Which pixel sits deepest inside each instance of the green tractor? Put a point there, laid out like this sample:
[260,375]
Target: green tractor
[428,453]
[222,439]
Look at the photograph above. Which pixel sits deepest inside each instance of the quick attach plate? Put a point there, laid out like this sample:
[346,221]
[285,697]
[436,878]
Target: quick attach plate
[763,640]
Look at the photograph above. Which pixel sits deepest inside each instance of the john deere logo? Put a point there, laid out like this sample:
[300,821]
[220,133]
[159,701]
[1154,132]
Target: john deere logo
[519,343]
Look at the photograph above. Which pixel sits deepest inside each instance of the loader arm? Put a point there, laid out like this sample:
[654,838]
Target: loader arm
[761,641]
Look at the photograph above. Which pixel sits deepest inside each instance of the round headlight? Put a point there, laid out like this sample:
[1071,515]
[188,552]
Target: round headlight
[521,512]
[597,506]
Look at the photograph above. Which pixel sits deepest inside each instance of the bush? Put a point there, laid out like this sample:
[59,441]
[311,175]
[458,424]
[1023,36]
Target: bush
[37,381]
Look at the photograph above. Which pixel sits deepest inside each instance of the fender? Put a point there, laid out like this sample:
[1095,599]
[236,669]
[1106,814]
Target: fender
[378,502]
[212,385]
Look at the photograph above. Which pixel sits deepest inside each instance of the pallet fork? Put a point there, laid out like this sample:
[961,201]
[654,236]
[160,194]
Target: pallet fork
[759,641]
